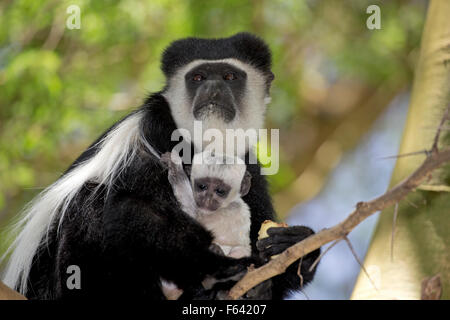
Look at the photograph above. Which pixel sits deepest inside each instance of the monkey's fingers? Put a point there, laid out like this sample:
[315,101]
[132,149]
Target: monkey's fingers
[294,231]
[238,266]
[173,164]
[273,250]
[166,159]
[279,240]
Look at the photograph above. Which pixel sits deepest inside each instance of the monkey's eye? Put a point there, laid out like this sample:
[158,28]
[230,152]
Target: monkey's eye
[202,186]
[198,77]
[220,192]
[229,76]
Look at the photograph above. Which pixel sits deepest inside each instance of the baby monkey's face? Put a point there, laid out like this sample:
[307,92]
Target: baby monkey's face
[210,193]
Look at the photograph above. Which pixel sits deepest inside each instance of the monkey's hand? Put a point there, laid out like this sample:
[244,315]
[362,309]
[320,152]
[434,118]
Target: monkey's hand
[280,239]
[171,161]
[262,291]
[234,270]
[174,164]
[217,284]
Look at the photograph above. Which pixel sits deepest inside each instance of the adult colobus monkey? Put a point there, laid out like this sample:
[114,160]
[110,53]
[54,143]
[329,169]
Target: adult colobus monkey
[113,213]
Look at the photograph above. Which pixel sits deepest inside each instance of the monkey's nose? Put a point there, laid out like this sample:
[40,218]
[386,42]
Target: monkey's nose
[213,88]
[208,204]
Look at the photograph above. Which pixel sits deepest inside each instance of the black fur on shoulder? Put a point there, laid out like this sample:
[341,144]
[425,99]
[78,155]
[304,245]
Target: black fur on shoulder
[242,46]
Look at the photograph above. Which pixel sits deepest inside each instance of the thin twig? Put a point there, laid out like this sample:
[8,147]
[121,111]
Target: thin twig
[299,272]
[393,231]
[361,264]
[322,254]
[438,188]
[443,128]
[426,152]
[434,148]
[412,204]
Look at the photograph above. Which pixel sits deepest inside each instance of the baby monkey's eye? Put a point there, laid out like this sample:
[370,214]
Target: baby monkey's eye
[202,186]
[220,192]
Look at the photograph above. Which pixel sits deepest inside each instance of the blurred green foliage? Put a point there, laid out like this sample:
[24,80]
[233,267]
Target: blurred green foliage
[61,88]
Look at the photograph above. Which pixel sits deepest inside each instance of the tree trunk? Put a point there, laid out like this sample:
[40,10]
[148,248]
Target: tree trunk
[421,247]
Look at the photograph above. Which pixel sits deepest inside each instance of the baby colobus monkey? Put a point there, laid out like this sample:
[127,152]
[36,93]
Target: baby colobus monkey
[213,197]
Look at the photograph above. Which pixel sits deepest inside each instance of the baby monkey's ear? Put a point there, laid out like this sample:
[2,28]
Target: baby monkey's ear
[246,183]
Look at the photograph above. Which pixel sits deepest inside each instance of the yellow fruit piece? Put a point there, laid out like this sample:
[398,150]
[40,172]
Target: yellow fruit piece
[267,224]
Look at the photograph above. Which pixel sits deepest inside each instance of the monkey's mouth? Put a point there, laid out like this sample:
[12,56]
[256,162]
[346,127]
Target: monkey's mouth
[206,207]
[210,109]
[209,208]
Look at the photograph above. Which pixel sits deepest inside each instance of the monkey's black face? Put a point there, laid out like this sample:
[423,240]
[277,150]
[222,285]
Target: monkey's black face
[210,193]
[215,89]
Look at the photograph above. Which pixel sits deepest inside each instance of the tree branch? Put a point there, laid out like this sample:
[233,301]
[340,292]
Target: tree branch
[278,265]
[6,293]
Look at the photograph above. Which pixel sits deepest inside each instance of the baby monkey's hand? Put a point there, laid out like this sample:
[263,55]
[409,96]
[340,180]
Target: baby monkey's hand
[174,164]
[172,161]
